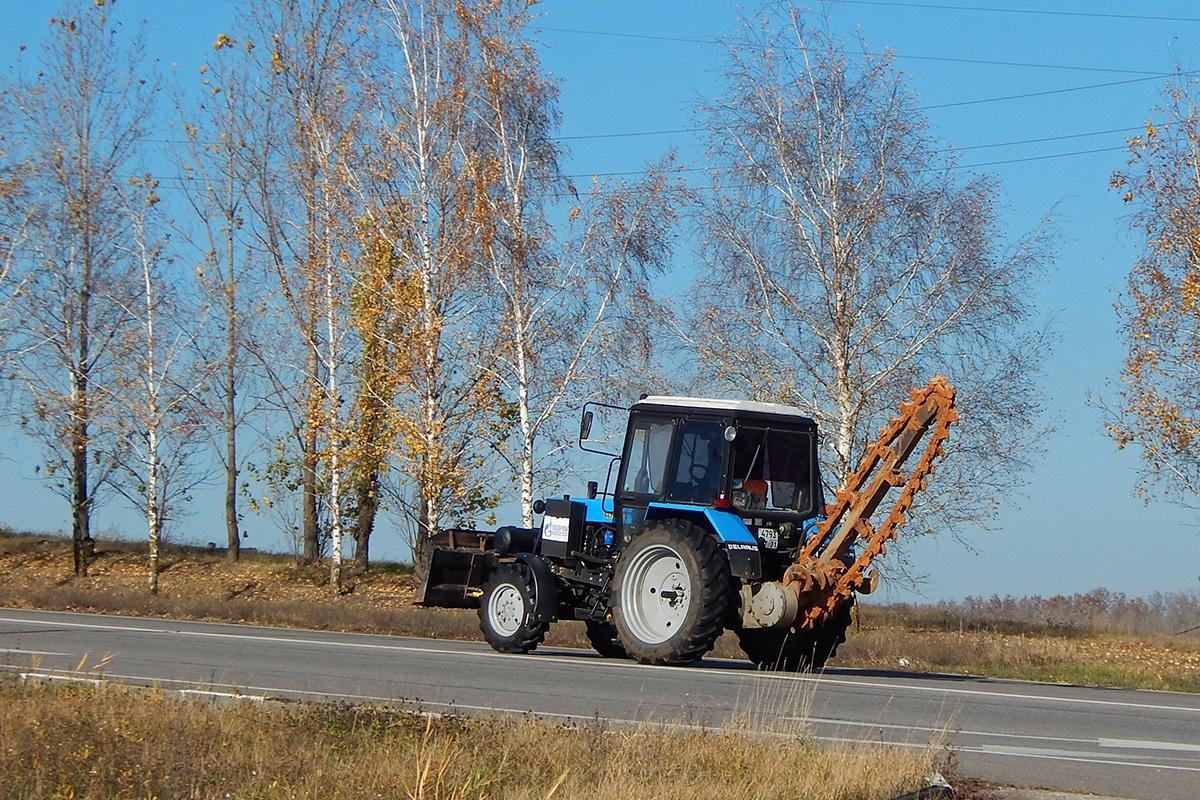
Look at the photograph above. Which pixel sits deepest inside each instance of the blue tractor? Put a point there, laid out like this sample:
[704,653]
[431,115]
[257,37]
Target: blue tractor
[713,519]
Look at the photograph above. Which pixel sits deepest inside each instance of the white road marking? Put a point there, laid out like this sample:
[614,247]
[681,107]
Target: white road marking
[50,676]
[442,651]
[1010,695]
[1024,751]
[23,652]
[940,730]
[1066,755]
[1134,744]
[254,698]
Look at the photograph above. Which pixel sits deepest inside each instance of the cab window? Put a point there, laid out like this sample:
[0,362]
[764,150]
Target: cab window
[697,477]
[646,459]
[772,470]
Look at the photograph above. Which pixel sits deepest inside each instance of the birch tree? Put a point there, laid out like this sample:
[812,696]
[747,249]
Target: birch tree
[559,285]
[336,330]
[1159,407]
[81,119]
[16,221]
[300,48]
[847,259]
[157,384]
[420,198]
[214,174]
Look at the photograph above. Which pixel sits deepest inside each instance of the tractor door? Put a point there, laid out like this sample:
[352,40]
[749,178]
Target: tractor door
[644,471]
[698,463]
[678,462]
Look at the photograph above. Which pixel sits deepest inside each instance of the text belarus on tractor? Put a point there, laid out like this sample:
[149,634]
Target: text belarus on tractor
[715,520]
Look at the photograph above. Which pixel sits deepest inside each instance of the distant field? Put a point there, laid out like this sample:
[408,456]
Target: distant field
[1097,639]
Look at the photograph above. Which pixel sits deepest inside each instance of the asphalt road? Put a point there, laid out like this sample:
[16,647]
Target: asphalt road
[1116,742]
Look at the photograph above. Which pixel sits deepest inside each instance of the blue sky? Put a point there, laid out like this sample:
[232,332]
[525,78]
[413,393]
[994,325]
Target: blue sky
[992,83]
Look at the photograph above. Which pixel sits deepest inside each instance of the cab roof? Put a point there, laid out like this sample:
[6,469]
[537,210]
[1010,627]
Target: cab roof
[718,405]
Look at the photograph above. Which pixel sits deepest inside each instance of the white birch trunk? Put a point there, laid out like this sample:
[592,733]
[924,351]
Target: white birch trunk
[335,484]
[153,523]
[527,433]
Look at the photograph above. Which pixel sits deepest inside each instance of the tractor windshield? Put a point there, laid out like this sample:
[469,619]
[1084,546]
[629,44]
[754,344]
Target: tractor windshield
[772,470]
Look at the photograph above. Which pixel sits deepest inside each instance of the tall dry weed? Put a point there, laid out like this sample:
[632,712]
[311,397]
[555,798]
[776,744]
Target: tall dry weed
[87,742]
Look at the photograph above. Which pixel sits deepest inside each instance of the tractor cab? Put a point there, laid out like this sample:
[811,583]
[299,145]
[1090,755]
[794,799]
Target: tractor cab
[747,471]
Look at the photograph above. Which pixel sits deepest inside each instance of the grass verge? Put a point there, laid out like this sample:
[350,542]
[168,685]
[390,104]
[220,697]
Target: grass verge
[111,742]
[1146,661]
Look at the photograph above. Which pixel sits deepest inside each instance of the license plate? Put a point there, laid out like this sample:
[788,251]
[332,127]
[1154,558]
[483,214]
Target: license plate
[769,537]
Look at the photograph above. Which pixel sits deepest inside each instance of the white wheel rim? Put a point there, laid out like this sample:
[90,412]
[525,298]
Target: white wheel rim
[655,594]
[506,610]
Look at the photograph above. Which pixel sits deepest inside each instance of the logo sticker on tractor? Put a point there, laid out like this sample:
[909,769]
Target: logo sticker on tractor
[556,529]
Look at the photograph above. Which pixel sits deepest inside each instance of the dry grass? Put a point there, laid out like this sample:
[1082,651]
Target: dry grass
[1099,610]
[86,742]
[883,638]
[264,589]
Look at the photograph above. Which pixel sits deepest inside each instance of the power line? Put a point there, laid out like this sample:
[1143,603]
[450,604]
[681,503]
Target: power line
[998,162]
[1039,158]
[1043,12]
[1021,64]
[624,135]
[949,59]
[1049,92]
[944,151]
[1096,14]
[176,184]
[1043,139]
[921,108]
[958,167]
[1010,143]
[1019,160]
[652,37]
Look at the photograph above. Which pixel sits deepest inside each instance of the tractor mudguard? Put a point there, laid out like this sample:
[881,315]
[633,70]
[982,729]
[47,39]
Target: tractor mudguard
[739,544]
[745,561]
[545,590]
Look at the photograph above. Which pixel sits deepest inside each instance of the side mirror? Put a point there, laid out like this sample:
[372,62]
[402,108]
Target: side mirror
[595,422]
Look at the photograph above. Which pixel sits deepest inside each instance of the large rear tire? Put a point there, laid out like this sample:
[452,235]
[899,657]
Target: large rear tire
[776,650]
[806,650]
[506,611]
[671,592]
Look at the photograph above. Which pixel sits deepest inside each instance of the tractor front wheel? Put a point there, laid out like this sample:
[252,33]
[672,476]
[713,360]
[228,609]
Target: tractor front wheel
[671,593]
[506,611]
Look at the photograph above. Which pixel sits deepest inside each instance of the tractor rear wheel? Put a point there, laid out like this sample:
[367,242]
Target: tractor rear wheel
[779,650]
[806,650]
[671,593]
[603,638]
[506,611]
